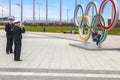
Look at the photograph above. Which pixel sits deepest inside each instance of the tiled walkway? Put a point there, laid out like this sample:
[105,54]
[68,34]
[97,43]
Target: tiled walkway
[51,58]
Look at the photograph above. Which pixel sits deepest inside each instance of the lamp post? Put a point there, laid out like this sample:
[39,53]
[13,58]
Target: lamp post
[67,15]
[9,7]
[112,13]
[46,12]
[39,9]
[33,12]
[75,3]
[60,12]
[92,10]
[21,6]
[1,13]
[81,2]
[118,17]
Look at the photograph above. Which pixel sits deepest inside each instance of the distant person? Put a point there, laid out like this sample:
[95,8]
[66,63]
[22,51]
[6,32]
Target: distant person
[96,37]
[17,37]
[9,35]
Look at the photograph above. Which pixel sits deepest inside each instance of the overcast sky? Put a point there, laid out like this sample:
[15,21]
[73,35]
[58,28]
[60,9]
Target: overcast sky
[53,8]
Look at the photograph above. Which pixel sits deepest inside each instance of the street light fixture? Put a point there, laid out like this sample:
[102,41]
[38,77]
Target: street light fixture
[18,5]
[21,6]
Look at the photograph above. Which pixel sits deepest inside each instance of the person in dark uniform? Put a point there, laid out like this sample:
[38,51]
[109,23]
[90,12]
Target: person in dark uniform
[17,37]
[9,35]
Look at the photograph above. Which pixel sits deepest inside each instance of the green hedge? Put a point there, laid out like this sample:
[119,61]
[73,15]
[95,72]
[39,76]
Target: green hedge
[48,29]
[114,31]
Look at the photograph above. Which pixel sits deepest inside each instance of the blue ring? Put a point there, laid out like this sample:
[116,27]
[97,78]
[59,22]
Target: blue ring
[75,15]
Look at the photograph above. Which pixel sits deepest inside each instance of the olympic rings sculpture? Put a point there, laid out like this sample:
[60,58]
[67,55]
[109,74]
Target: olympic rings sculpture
[97,19]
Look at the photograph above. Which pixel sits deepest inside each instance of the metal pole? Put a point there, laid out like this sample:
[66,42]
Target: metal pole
[9,7]
[67,15]
[75,3]
[21,10]
[39,11]
[112,13]
[46,12]
[60,12]
[2,14]
[21,7]
[33,12]
[92,10]
[81,2]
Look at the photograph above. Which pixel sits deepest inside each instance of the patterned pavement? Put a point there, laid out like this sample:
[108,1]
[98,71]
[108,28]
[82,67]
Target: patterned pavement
[46,57]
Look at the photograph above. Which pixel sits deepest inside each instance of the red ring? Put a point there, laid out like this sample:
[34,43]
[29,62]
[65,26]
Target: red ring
[115,13]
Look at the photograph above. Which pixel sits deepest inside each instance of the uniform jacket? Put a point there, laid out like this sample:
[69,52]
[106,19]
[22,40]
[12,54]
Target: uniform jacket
[9,29]
[17,33]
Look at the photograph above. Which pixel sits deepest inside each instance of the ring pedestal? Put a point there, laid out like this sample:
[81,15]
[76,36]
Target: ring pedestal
[92,46]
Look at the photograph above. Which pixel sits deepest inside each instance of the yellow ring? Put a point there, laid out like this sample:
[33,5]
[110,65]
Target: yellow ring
[86,37]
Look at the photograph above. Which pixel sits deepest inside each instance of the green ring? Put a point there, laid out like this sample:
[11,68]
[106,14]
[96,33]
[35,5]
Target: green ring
[104,32]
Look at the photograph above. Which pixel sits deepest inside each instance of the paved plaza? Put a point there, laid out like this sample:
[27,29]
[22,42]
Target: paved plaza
[48,56]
